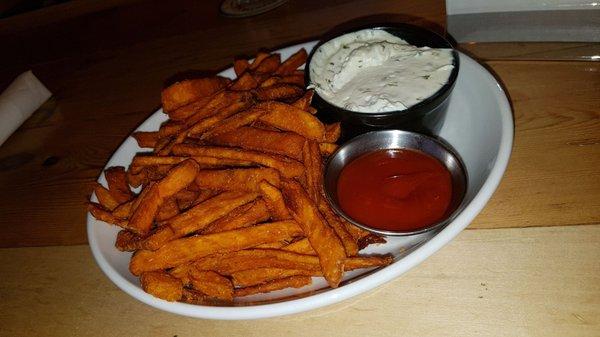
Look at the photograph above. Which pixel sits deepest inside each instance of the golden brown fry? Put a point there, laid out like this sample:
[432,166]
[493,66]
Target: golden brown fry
[167,210]
[146,139]
[170,128]
[116,179]
[283,143]
[123,211]
[279,91]
[270,81]
[332,132]
[350,245]
[243,216]
[177,179]
[220,104]
[185,92]
[295,79]
[303,102]
[245,179]
[274,200]
[244,82]
[288,282]
[288,168]
[288,117]
[197,218]
[105,198]
[204,162]
[192,248]
[162,285]
[185,198]
[327,149]
[240,66]
[292,63]
[211,284]
[322,238]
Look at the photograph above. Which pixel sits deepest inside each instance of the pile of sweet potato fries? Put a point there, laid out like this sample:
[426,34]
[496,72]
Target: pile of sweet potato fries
[231,201]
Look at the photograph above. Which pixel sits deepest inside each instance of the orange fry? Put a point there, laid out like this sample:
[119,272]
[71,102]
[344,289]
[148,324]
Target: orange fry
[212,284]
[235,121]
[197,217]
[102,214]
[245,179]
[244,82]
[313,171]
[322,238]
[177,179]
[303,102]
[240,66]
[243,216]
[260,56]
[327,149]
[116,179]
[292,63]
[274,200]
[185,92]
[288,117]
[105,198]
[192,248]
[184,112]
[350,246]
[128,241]
[146,139]
[162,285]
[284,143]
[288,282]
[301,247]
[332,132]
[279,91]
[288,168]
[269,64]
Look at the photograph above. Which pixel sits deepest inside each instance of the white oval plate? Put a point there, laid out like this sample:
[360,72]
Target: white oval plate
[479,125]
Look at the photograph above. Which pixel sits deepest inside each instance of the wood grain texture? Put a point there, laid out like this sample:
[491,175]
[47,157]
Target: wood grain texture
[553,176]
[533,51]
[108,83]
[501,282]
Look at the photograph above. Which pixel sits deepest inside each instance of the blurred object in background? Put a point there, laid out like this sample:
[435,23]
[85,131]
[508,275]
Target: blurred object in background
[13,7]
[245,8]
[524,20]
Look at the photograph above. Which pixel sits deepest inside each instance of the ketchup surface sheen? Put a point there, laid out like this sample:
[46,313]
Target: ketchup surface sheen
[395,190]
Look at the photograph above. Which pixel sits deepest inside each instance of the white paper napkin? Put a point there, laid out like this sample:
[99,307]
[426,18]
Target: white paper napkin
[22,97]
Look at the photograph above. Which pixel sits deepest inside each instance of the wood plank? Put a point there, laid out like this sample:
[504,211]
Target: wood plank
[503,282]
[530,51]
[103,89]
[553,176]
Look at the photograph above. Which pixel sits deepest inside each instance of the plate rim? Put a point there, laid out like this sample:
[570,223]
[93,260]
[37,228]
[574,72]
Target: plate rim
[361,285]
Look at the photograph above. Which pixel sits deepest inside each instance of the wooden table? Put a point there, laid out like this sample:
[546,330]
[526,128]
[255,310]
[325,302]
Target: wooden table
[529,265]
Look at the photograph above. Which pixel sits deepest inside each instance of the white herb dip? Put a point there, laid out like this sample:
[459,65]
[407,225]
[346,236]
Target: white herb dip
[372,70]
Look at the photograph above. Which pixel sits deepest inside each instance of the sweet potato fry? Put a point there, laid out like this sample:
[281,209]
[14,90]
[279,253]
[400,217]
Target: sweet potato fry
[146,139]
[123,211]
[204,162]
[313,170]
[251,277]
[274,201]
[288,117]
[350,245]
[288,282]
[185,92]
[327,149]
[244,82]
[116,179]
[220,104]
[270,81]
[235,121]
[184,112]
[269,64]
[303,102]
[177,179]
[240,66]
[332,132]
[295,79]
[167,210]
[322,238]
[301,247]
[211,284]
[288,168]
[197,218]
[185,198]
[245,179]
[105,198]
[279,91]
[260,56]
[292,63]
[102,214]
[162,285]
[128,241]
[170,128]
[192,248]
[243,216]
[283,143]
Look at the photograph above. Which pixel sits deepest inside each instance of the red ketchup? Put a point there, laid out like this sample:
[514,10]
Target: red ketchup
[395,190]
